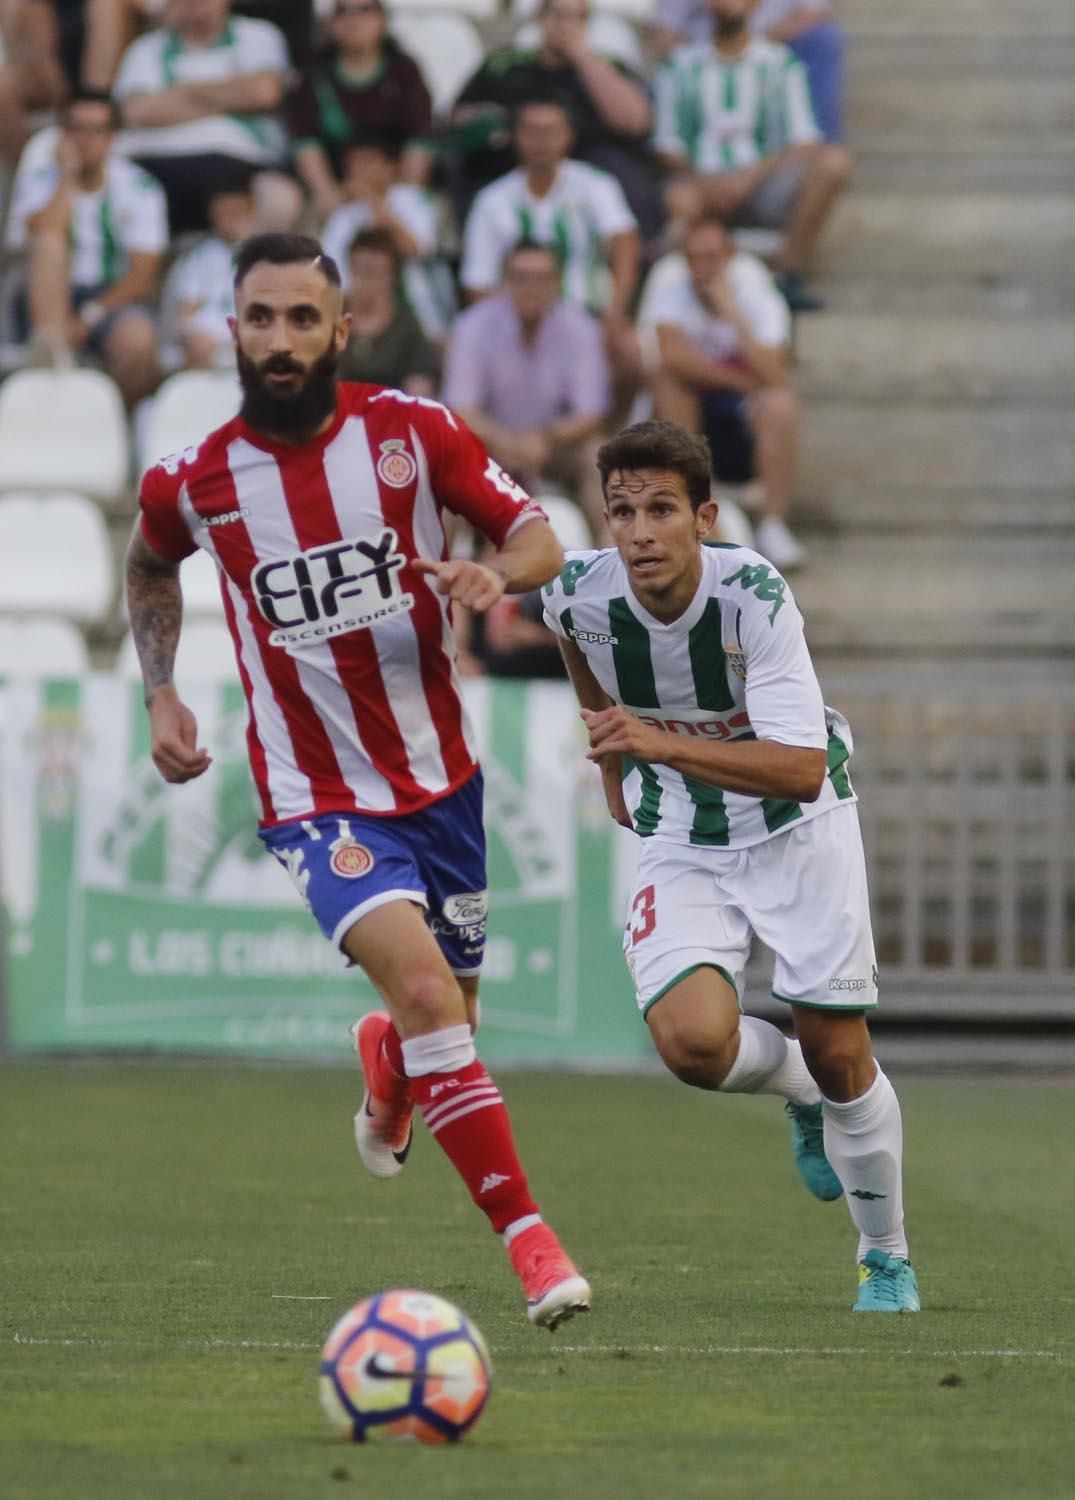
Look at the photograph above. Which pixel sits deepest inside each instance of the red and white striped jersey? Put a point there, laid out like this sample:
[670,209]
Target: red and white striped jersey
[345,652]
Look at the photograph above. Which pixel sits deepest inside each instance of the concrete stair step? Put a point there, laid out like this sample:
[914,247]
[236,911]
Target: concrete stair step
[857,444]
[952,293]
[920,359]
[883,510]
[891,167]
[963,100]
[938,594]
[972,234]
[963,18]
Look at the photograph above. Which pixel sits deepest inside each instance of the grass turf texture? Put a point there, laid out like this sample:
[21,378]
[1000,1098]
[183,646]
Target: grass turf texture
[158,1219]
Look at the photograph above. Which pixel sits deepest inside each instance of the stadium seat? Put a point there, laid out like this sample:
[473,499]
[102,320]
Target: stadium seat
[200,582]
[568,522]
[632,10]
[477,10]
[48,647]
[188,405]
[205,654]
[63,429]
[54,557]
[611,35]
[445,46]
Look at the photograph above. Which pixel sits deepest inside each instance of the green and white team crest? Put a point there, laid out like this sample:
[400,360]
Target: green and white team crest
[142,914]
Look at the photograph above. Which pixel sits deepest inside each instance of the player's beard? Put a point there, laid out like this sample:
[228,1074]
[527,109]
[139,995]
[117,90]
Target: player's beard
[295,414]
[729,29]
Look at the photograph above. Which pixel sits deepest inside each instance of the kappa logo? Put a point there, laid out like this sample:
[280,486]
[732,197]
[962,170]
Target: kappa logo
[492,1180]
[847,984]
[396,466]
[228,517]
[594,637]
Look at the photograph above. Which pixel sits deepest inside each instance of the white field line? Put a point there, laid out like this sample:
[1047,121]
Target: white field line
[678,1350]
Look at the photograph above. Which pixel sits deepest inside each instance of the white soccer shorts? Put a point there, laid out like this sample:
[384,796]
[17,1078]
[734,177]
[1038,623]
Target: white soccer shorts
[803,893]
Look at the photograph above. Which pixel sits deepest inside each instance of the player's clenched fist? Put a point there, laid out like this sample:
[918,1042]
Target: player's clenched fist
[174,743]
[615,731]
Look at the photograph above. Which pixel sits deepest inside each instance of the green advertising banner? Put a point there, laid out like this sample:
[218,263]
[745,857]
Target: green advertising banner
[141,915]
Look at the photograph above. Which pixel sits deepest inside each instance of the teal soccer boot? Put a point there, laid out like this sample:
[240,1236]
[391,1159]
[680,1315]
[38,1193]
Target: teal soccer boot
[886,1284]
[808,1145]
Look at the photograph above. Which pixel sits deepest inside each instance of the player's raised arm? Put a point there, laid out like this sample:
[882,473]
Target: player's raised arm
[155,608]
[528,558]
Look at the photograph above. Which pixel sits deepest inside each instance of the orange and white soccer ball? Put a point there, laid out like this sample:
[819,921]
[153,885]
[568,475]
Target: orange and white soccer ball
[404,1366]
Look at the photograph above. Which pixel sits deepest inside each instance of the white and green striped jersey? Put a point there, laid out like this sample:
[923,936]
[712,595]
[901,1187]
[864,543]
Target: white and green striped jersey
[577,217]
[734,666]
[728,114]
[127,214]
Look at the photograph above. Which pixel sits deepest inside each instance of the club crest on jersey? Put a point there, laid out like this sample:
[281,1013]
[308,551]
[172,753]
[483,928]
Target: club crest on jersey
[395,465]
[736,660]
[349,858]
[327,591]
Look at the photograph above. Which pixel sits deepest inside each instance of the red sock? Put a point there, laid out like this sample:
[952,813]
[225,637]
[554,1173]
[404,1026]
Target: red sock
[466,1114]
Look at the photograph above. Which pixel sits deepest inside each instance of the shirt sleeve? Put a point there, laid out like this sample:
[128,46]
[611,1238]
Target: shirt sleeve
[483,247]
[558,594]
[800,127]
[611,213]
[162,523]
[416,212]
[262,47]
[783,698]
[31,195]
[760,302]
[417,105]
[468,481]
[140,69]
[146,229]
[666,134]
[589,378]
[464,368]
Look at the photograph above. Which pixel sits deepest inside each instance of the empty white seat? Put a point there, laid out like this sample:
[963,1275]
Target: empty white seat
[205,654]
[610,35]
[445,46]
[567,520]
[188,406]
[63,430]
[46,647]
[200,582]
[478,10]
[54,557]
[633,10]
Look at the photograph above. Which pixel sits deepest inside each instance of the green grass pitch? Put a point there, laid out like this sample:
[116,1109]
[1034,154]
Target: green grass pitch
[165,1230]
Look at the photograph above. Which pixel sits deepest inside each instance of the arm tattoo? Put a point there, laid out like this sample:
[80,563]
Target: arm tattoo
[155,608]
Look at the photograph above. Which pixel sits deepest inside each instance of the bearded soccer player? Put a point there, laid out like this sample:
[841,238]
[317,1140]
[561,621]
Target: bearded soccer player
[321,504]
[706,719]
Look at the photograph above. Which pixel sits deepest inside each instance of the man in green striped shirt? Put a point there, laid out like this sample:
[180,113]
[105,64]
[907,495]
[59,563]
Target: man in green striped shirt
[715,747]
[734,121]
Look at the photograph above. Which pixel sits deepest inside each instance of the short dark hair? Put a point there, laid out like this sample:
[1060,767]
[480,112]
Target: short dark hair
[283,250]
[381,241]
[525,246]
[660,445]
[707,220]
[544,101]
[388,142]
[93,96]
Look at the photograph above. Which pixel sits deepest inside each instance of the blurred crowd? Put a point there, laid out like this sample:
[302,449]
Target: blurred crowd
[605,219]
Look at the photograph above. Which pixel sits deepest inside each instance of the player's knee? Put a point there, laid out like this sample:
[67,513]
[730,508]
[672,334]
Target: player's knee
[836,1060]
[429,1000]
[699,1059]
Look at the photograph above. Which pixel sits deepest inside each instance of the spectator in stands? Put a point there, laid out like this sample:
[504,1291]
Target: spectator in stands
[374,195]
[202,281]
[387,345]
[576,208]
[32,73]
[609,106]
[723,329]
[734,120]
[364,86]
[526,369]
[201,94]
[95,229]
[809,29]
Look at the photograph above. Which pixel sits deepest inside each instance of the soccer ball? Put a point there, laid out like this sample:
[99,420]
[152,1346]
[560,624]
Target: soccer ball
[405,1366]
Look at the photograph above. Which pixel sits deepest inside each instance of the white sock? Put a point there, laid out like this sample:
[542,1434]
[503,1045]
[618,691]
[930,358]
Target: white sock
[864,1145]
[768,1063]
